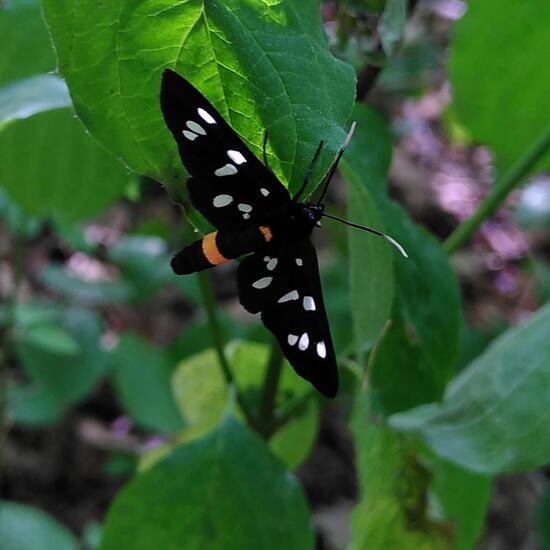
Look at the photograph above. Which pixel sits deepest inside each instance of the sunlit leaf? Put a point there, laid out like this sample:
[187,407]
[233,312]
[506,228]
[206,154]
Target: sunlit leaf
[112,56]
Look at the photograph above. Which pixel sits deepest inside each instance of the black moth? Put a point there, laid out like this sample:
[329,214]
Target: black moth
[255,215]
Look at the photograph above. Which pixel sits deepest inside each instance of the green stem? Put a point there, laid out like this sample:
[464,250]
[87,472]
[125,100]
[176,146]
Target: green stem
[269,391]
[500,191]
[207,293]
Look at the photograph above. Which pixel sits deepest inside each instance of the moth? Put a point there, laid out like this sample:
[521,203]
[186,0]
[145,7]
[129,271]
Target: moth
[254,215]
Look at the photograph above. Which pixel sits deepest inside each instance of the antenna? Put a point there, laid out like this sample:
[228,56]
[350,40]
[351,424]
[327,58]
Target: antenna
[309,171]
[370,230]
[335,164]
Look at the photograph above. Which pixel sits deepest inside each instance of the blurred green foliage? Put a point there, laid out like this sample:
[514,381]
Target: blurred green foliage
[428,441]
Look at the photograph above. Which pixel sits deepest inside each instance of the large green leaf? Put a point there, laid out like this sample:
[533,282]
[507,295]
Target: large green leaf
[142,378]
[225,491]
[391,512]
[264,64]
[26,528]
[495,414]
[501,76]
[48,163]
[418,354]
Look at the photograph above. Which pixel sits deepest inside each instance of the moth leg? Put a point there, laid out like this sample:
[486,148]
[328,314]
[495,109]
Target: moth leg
[264,152]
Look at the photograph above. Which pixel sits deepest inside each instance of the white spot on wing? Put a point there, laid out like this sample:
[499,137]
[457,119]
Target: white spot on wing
[272,264]
[304,341]
[236,157]
[264,191]
[226,170]
[309,303]
[321,349]
[264,282]
[299,262]
[206,116]
[197,128]
[244,207]
[190,135]
[246,216]
[292,339]
[222,200]
[289,296]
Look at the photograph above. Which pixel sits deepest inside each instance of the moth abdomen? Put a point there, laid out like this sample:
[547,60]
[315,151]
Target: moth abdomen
[219,247]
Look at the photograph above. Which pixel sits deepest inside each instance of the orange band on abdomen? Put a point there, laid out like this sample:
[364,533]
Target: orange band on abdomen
[266,232]
[210,250]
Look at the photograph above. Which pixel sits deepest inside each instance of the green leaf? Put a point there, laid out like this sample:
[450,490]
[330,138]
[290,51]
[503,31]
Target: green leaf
[464,498]
[493,418]
[48,164]
[500,89]
[294,441]
[33,95]
[51,167]
[27,528]
[202,393]
[112,56]
[68,378]
[225,491]
[56,278]
[32,405]
[392,25]
[50,337]
[26,49]
[427,313]
[142,379]
[391,512]
[371,268]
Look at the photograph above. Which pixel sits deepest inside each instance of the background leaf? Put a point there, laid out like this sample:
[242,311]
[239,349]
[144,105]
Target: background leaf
[494,54]
[229,463]
[26,528]
[222,47]
[33,95]
[495,413]
[48,164]
[67,377]
[202,393]
[391,508]
[392,24]
[371,267]
[142,378]
[464,498]
[418,355]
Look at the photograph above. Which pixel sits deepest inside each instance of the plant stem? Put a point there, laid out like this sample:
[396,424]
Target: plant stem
[207,293]
[271,382]
[500,191]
